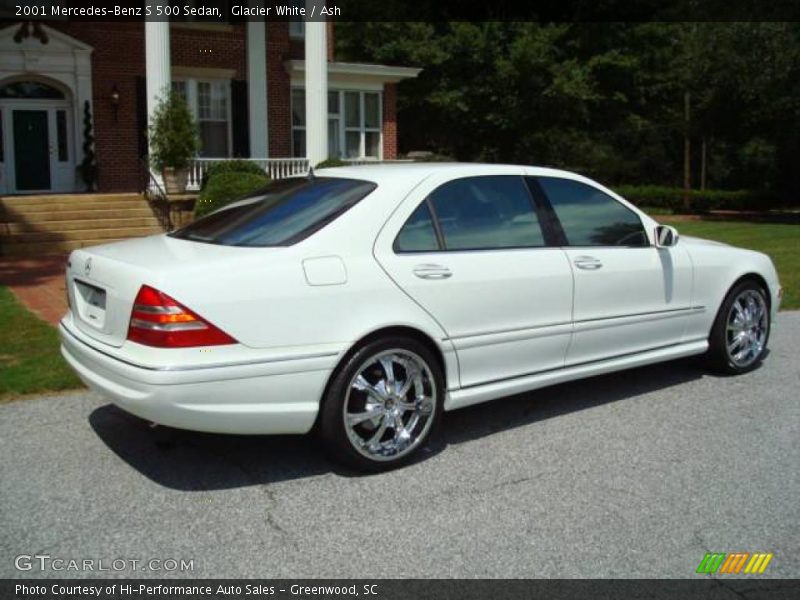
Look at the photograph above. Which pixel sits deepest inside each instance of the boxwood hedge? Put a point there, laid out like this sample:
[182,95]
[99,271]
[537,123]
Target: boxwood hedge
[225,187]
[701,201]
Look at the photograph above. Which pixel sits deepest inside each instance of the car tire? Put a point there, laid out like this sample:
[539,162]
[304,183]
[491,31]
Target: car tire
[738,340]
[383,404]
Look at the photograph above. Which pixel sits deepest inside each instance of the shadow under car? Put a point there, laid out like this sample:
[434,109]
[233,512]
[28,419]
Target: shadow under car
[195,461]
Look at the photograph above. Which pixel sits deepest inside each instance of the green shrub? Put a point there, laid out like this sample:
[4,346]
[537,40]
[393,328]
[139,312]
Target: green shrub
[231,166]
[700,201]
[224,188]
[329,163]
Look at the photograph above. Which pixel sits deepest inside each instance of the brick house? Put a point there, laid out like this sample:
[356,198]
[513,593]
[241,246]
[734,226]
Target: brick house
[268,91]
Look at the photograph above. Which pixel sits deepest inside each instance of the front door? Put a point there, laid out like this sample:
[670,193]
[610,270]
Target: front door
[473,253]
[31,150]
[629,295]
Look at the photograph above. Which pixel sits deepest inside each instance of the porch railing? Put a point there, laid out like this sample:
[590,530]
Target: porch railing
[374,161]
[275,168]
[156,196]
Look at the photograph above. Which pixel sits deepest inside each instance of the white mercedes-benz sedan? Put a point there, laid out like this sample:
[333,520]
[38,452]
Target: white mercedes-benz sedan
[366,301]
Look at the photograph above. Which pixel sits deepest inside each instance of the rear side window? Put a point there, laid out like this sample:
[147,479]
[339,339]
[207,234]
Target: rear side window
[418,234]
[279,215]
[590,217]
[481,213]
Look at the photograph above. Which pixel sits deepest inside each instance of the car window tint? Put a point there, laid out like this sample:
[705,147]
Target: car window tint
[279,215]
[486,212]
[418,234]
[591,218]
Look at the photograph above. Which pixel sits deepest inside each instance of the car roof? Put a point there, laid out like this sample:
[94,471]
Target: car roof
[382,172]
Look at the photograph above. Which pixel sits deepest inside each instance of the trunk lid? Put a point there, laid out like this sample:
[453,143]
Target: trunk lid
[102,281]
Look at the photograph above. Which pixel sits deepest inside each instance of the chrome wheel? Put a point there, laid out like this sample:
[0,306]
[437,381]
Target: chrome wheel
[390,404]
[747,328]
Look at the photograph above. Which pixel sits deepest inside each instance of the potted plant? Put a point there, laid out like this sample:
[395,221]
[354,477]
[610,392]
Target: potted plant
[173,141]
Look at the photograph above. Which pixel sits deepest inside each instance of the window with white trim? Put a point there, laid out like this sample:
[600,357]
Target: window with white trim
[210,103]
[297,27]
[354,124]
[297,30]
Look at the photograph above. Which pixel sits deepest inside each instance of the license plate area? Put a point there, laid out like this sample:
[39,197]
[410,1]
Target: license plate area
[91,301]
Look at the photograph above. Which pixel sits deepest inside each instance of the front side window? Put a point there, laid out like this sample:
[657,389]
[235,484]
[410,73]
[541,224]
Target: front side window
[590,217]
[282,214]
[481,213]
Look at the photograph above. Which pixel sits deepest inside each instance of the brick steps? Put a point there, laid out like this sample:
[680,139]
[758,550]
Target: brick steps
[34,202]
[78,213]
[78,234]
[24,210]
[35,225]
[60,247]
[40,226]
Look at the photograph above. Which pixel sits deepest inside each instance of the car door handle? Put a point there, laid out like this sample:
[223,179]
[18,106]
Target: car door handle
[430,271]
[589,263]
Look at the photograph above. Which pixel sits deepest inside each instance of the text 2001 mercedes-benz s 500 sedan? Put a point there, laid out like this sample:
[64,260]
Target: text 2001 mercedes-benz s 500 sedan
[368,300]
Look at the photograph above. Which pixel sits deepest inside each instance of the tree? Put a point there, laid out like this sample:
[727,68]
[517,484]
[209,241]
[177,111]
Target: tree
[173,133]
[88,166]
[606,99]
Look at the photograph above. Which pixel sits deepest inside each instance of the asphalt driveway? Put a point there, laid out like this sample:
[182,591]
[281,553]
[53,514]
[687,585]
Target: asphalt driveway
[637,474]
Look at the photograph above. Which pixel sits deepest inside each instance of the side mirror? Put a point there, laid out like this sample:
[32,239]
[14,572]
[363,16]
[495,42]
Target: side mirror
[666,236]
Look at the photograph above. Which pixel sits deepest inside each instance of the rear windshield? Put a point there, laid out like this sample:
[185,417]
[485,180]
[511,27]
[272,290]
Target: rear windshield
[280,214]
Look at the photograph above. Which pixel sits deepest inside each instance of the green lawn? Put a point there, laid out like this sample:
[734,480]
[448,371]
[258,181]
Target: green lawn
[30,360]
[781,242]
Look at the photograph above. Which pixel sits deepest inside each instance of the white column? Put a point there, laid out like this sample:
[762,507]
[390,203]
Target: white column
[158,72]
[257,88]
[316,90]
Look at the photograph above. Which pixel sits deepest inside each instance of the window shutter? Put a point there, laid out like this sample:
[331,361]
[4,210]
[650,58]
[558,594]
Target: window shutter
[240,125]
[141,115]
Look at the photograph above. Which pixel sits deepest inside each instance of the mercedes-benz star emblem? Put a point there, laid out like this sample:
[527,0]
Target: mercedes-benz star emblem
[87,268]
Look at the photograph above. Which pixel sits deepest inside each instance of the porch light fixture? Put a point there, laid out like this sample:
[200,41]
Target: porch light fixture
[115,100]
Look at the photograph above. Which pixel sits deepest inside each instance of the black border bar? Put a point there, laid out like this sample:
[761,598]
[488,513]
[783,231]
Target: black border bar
[227,11]
[397,589]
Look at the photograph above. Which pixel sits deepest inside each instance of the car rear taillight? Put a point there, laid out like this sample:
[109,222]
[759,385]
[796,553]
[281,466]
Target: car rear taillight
[158,320]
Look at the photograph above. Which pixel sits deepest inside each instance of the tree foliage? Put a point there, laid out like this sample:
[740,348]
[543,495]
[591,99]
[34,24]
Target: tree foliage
[227,186]
[88,166]
[173,133]
[605,99]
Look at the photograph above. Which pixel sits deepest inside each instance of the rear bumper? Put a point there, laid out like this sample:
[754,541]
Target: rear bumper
[278,396]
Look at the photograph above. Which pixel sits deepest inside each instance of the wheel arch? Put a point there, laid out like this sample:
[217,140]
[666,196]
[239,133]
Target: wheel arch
[747,276]
[718,357]
[392,330]
[757,278]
